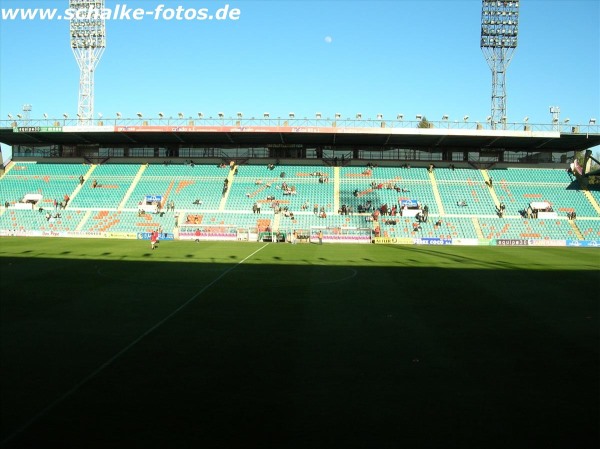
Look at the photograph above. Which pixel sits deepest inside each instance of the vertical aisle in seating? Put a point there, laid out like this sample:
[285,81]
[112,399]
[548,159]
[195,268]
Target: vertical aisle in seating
[134,183]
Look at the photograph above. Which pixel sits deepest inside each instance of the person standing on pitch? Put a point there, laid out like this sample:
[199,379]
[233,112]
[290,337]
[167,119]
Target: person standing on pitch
[153,239]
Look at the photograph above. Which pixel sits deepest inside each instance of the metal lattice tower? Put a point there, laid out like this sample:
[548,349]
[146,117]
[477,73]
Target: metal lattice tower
[88,41]
[499,31]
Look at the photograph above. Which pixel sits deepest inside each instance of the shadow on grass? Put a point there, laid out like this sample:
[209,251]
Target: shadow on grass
[173,354]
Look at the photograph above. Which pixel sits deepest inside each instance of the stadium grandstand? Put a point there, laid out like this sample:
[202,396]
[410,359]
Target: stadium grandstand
[278,180]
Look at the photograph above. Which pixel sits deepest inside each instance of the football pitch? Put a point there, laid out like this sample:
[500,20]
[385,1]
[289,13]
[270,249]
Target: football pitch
[109,344]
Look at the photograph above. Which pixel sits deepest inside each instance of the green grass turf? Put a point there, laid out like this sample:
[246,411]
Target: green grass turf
[107,344]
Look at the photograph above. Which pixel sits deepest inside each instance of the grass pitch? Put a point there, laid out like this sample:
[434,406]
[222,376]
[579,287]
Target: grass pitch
[108,344]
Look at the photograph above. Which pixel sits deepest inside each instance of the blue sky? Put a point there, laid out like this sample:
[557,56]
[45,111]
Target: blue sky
[395,56]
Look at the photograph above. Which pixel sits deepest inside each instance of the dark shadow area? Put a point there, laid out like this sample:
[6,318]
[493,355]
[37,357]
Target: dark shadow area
[174,354]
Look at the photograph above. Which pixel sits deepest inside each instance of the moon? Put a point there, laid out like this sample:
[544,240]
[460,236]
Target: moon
[328,39]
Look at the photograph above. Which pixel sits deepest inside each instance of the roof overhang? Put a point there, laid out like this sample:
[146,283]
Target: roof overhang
[433,139]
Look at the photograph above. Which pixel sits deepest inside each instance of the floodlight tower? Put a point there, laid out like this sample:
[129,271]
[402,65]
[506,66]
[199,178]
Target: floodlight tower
[499,30]
[88,41]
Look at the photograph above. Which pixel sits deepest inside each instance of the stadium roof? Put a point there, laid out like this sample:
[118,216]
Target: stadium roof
[436,139]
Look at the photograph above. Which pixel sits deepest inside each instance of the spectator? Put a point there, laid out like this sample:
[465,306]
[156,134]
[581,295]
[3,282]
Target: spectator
[500,210]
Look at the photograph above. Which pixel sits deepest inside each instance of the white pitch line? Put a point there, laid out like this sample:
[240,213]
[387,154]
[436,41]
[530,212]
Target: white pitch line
[110,361]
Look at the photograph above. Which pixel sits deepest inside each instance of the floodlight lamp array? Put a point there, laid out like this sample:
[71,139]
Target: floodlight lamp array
[499,24]
[87,27]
